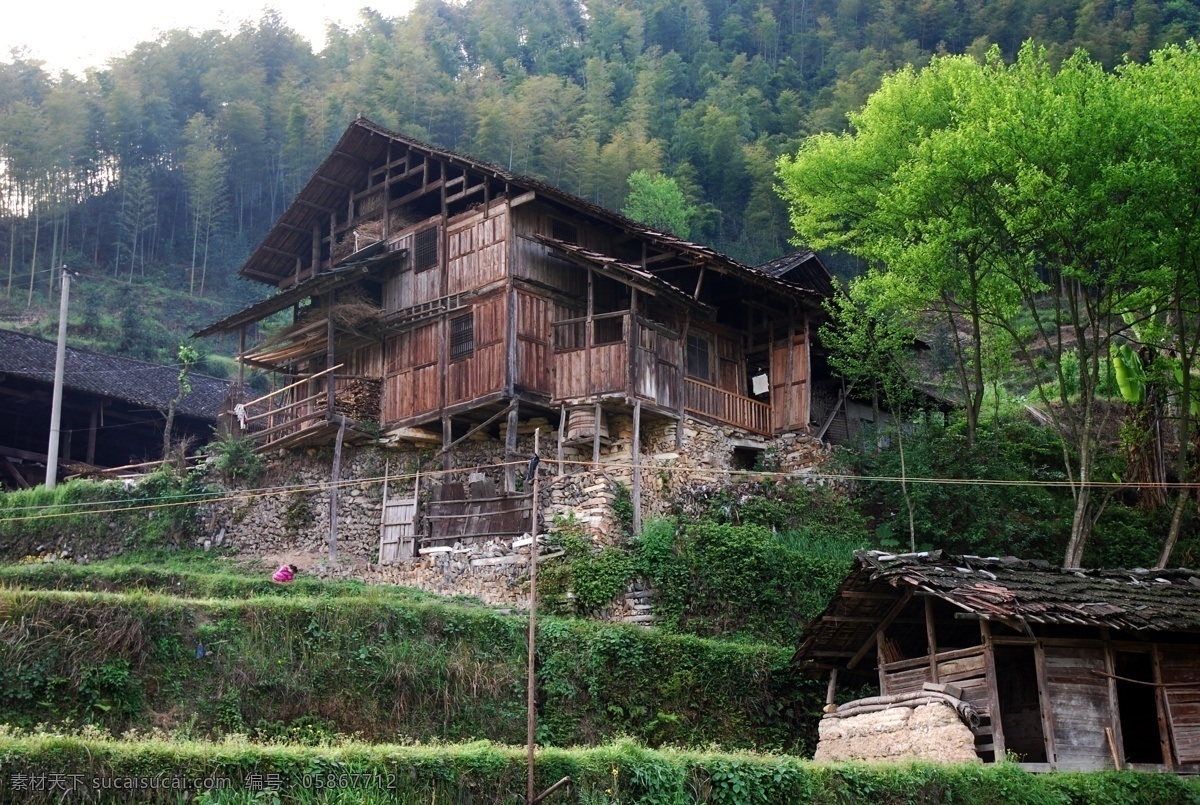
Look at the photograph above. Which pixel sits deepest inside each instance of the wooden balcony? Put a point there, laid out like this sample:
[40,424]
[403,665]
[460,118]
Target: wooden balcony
[725,406]
[301,413]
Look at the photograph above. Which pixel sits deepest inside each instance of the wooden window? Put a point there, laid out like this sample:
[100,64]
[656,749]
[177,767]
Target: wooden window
[561,230]
[569,335]
[608,331]
[425,249]
[462,337]
[697,358]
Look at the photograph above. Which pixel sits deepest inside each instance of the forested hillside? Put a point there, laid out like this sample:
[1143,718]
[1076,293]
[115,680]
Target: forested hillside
[161,169]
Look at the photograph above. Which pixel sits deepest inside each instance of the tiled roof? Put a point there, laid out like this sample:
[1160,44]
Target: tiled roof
[1004,589]
[275,257]
[802,267]
[135,382]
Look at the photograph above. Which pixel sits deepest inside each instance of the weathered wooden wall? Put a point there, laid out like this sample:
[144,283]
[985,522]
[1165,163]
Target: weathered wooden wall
[1179,665]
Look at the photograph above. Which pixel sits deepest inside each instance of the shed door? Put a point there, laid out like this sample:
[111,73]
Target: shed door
[1179,664]
[1079,706]
[397,534]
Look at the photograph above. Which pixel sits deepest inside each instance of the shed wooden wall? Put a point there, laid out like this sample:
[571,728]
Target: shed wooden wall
[1178,665]
[1080,708]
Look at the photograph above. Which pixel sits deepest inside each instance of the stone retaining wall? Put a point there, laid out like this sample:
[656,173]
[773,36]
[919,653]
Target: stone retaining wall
[276,523]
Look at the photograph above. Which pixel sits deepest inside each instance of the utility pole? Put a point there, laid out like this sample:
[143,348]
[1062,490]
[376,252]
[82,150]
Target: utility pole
[531,719]
[59,367]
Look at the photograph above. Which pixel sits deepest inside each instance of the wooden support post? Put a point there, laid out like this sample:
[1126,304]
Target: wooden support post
[1045,707]
[587,335]
[329,378]
[531,712]
[1160,705]
[637,467]
[562,425]
[634,337]
[241,364]
[993,686]
[510,448]
[596,438]
[883,691]
[316,248]
[333,490]
[447,436]
[831,688]
[681,423]
[92,425]
[877,635]
[931,640]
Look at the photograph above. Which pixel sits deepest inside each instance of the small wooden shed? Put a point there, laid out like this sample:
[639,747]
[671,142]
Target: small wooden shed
[1068,669]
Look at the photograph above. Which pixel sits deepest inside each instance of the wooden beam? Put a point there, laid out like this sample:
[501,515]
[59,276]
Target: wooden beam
[989,666]
[884,624]
[12,472]
[310,205]
[355,157]
[334,182]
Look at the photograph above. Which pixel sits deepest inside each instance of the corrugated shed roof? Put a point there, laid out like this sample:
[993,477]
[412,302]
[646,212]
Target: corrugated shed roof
[135,382]
[1005,589]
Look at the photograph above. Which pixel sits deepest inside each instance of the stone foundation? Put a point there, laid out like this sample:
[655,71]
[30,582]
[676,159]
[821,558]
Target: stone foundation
[277,524]
[928,732]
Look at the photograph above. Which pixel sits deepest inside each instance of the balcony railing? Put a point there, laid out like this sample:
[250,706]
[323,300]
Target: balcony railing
[725,406]
[286,411]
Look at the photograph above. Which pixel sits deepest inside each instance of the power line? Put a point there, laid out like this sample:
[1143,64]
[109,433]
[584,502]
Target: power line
[191,499]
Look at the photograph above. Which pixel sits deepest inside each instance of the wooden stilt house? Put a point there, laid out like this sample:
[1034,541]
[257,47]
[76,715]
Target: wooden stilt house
[421,289]
[1067,669]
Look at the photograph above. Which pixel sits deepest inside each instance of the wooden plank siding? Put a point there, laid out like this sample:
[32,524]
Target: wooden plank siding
[1079,704]
[964,667]
[1181,664]
[482,372]
[478,250]
[535,362]
[412,384]
[607,375]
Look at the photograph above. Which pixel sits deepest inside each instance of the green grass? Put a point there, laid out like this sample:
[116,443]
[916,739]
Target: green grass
[190,575]
[116,644]
[482,772]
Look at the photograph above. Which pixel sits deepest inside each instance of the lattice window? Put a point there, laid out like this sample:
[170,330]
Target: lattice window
[425,249]
[697,358]
[462,337]
[561,230]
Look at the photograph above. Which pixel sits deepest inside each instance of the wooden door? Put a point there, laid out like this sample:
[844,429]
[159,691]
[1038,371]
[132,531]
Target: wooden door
[398,531]
[789,384]
[1079,706]
[1179,665]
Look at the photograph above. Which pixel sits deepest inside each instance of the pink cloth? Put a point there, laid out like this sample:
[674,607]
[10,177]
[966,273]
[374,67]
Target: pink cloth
[283,574]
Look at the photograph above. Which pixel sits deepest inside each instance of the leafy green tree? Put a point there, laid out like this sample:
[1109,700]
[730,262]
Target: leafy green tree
[656,201]
[1010,194]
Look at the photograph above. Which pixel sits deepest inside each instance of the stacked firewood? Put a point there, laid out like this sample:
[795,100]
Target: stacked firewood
[359,399]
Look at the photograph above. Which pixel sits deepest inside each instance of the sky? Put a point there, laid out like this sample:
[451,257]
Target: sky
[77,34]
